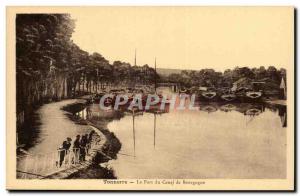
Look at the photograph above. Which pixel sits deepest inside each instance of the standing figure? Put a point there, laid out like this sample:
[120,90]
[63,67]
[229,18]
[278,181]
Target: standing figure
[83,143]
[64,150]
[62,153]
[76,149]
[91,136]
[68,144]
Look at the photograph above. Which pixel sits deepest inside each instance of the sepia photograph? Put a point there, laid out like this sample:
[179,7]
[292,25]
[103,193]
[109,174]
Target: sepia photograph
[150,98]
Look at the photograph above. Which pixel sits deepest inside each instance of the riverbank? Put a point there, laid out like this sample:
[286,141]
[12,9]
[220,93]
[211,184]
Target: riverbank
[56,122]
[108,151]
[54,126]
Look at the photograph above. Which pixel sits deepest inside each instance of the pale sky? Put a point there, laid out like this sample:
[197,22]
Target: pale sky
[188,37]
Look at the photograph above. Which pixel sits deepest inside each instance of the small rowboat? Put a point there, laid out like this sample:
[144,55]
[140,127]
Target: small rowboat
[228,107]
[134,109]
[253,112]
[228,97]
[209,94]
[96,97]
[183,90]
[253,94]
[208,108]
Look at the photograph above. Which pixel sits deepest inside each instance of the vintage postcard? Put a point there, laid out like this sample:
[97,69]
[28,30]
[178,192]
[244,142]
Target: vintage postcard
[150,98]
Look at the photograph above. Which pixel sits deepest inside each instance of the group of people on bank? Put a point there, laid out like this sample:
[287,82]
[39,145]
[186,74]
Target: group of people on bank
[80,148]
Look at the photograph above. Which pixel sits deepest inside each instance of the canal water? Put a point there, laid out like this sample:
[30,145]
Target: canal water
[233,141]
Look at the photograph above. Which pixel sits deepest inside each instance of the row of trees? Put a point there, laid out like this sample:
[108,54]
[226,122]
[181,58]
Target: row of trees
[212,78]
[51,67]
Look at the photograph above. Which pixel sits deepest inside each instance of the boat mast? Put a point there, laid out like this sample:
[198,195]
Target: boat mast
[133,81]
[133,130]
[135,57]
[155,75]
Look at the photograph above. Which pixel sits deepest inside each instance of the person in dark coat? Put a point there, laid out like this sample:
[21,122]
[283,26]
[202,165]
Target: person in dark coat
[90,139]
[86,137]
[76,143]
[64,150]
[67,145]
[87,142]
[83,143]
[76,148]
[62,153]
[91,136]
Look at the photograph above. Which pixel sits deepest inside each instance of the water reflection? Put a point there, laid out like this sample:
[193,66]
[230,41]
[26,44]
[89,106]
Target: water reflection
[219,140]
[283,115]
[154,132]
[133,131]
[247,109]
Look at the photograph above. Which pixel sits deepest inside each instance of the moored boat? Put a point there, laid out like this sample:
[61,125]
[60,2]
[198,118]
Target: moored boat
[253,96]
[208,108]
[96,97]
[135,111]
[228,97]
[208,96]
[227,107]
[183,92]
[253,112]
